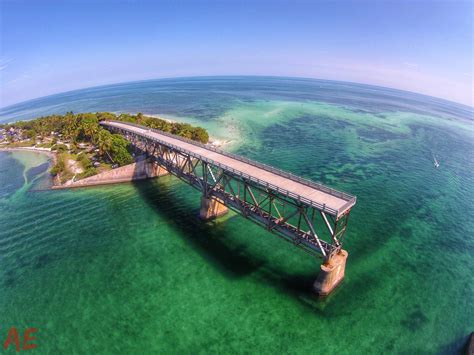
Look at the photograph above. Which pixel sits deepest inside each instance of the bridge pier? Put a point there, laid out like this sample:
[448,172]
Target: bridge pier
[153,169]
[211,208]
[283,203]
[331,274]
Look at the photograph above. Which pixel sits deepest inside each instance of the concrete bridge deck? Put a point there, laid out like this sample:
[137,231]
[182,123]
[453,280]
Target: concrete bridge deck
[323,198]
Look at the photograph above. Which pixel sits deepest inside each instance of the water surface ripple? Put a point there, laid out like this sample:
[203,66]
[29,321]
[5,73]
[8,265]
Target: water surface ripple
[131,269]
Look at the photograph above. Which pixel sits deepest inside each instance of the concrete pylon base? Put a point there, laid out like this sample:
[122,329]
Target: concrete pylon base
[152,169]
[211,208]
[331,274]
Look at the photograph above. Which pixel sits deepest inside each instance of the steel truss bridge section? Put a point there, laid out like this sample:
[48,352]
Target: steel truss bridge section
[316,225]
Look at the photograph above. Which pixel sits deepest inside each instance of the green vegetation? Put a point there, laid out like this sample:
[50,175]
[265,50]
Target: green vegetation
[20,144]
[86,164]
[84,127]
[81,129]
[185,130]
[61,169]
[84,160]
[59,147]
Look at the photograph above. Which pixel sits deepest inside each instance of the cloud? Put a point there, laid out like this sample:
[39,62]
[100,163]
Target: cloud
[410,65]
[4,62]
[19,78]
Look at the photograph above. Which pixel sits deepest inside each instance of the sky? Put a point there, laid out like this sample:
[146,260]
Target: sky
[49,47]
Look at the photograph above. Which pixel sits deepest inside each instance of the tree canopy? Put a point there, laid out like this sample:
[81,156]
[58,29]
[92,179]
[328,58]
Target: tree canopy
[84,127]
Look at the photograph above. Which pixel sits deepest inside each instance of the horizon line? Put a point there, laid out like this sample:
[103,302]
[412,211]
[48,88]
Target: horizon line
[2,108]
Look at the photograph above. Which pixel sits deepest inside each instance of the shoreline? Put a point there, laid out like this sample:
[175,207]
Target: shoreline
[66,168]
[138,170]
[29,149]
[52,161]
[56,184]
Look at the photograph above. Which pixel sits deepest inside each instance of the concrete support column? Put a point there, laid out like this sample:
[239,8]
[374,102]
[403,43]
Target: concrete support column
[331,274]
[211,208]
[152,169]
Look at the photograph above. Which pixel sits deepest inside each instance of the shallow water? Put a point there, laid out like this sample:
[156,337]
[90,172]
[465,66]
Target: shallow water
[130,268]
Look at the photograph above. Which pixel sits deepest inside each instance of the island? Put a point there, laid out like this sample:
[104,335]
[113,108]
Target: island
[80,147]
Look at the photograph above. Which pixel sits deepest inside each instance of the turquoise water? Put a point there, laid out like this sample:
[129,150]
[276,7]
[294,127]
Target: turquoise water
[131,269]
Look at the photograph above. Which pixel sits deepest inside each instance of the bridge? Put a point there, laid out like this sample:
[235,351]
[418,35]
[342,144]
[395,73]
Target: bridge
[310,215]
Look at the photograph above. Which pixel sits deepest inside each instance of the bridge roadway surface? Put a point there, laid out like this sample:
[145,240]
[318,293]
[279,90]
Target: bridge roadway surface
[313,194]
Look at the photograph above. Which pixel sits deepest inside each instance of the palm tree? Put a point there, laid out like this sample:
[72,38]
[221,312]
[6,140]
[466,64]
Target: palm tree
[90,129]
[104,142]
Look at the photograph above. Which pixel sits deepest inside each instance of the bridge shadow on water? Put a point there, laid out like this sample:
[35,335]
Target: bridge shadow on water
[211,241]
[231,259]
[207,239]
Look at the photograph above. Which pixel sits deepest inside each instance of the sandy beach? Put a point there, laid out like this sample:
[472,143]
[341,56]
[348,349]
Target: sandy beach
[30,149]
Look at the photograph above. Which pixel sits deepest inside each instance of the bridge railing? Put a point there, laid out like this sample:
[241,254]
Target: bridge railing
[349,198]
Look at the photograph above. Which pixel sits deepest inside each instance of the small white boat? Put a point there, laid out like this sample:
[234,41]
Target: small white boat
[436,162]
